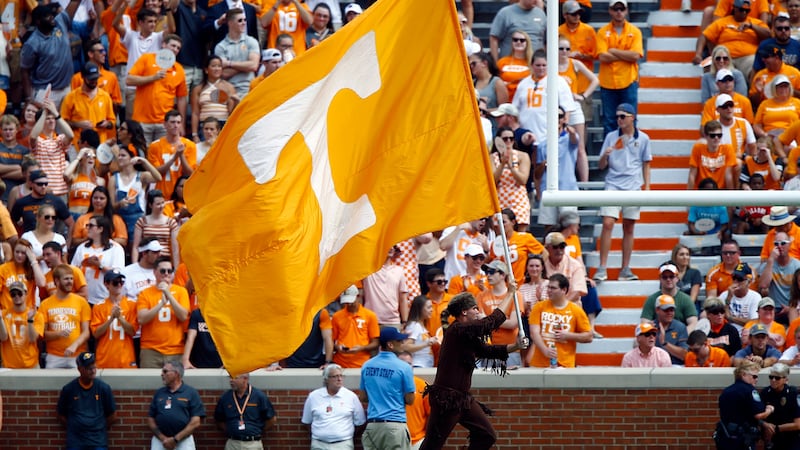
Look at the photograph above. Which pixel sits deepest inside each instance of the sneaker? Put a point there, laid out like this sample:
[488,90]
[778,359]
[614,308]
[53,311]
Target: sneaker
[601,274]
[686,6]
[627,275]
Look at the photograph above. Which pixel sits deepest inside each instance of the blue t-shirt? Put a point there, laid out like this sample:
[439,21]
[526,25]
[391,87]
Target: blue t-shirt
[771,352]
[386,379]
[791,53]
[675,334]
[719,214]
[567,159]
[49,58]
[86,411]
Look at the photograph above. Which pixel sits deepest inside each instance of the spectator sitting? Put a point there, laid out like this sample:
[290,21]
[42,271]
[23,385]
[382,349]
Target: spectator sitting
[775,275]
[671,334]
[779,110]
[718,278]
[794,298]
[701,354]
[710,82]
[749,217]
[714,105]
[706,220]
[741,302]
[779,220]
[646,354]
[712,159]
[782,39]
[765,163]
[721,333]
[773,65]
[766,317]
[689,278]
[668,293]
[791,356]
[736,131]
[758,350]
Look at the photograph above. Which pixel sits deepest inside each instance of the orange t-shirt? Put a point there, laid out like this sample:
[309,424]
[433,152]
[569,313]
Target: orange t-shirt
[353,330]
[520,245]
[158,97]
[77,106]
[718,278]
[741,108]
[466,283]
[435,322]
[115,347]
[287,20]
[80,233]
[717,358]
[570,318]
[764,76]
[78,282]
[117,53]
[791,134]
[757,7]
[582,39]
[725,31]
[619,74]
[774,328]
[161,151]
[778,116]
[417,413]
[164,333]
[17,352]
[512,71]
[762,168]
[182,279]
[9,273]
[794,247]
[488,302]
[67,314]
[712,165]
[108,82]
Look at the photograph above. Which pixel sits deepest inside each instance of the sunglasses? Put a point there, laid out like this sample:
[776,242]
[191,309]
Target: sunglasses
[755,376]
[576,13]
[494,271]
[166,271]
[783,28]
[723,58]
[620,8]
[507,138]
[91,225]
[715,311]
[48,217]
[781,243]
[99,50]
[727,105]
[775,377]
[562,245]
[41,183]
[715,135]
[622,116]
[518,39]
[16,294]
[117,282]
[560,115]
[479,257]
[649,334]
[667,277]
[564,49]
[440,282]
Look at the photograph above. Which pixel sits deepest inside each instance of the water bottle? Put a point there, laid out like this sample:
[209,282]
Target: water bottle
[553,361]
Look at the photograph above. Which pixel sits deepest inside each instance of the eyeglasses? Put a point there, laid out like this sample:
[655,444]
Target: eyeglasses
[41,183]
[440,282]
[622,116]
[49,217]
[518,39]
[618,8]
[564,49]
[729,253]
[560,115]
[783,28]
[16,294]
[494,271]
[576,13]
[781,243]
[479,257]
[91,225]
[649,334]
[507,138]
[744,10]
[99,50]
[562,245]
[166,271]
[715,311]
[794,6]
[337,377]
[723,58]
[754,375]
[117,282]
[715,135]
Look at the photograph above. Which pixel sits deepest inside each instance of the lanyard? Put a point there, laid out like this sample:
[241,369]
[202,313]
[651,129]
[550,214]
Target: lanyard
[243,407]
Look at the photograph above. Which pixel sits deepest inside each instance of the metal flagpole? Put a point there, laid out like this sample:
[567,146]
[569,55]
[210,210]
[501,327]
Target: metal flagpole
[507,256]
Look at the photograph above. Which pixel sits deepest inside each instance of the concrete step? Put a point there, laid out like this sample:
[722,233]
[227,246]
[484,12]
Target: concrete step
[646,230]
[607,345]
[674,122]
[674,18]
[672,147]
[663,96]
[672,44]
[669,70]
[620,316]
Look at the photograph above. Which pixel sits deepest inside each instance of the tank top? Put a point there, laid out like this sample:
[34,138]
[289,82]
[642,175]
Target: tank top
[210,108]
[80,191]
[130,190]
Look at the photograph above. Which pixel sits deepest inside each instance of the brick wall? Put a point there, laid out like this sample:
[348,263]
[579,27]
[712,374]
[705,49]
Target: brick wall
[528,414]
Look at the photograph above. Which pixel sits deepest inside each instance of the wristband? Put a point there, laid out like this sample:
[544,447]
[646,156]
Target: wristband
[175,438]
[30,320]
[58,117]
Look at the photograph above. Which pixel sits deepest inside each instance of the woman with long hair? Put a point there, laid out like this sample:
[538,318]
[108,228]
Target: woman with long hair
[98,255]
[321,27]
[523,242]
[82,179]
[689,278]
[44,232]
[721,59]
[511,171]
[23,267]
[100,204]
[27,121]
[130,134]
[176,206]
[127,186]
[534,289]
[490,87]
[214,97]
[155,223]
[516,66]
[419,315]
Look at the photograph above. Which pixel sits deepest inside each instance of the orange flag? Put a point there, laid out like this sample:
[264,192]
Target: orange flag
[368,139]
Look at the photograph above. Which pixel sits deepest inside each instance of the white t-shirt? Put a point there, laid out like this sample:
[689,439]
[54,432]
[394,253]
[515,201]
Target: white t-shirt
[137,279]
[531,101]
[417,332]
[38,247]
[745,307]
[113,257]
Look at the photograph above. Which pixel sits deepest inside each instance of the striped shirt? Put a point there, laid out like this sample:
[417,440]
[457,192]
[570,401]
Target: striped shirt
[50,151]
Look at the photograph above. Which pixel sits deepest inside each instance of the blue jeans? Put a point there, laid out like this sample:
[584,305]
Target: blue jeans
[611,98]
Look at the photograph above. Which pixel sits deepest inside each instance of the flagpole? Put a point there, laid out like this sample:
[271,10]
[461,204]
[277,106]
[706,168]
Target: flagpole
[507,256]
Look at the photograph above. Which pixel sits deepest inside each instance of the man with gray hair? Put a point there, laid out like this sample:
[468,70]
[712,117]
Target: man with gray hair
[175,412]
[784,422]
[332,413]
[244,414]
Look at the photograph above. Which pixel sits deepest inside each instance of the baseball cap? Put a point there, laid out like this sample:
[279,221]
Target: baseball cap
[270,54]
[474,250]
[349,295]
[668,267]
[624,2]
[758,328]
[112,275]
[665,302]
[554,238]
[18,286]
[354,8]
[85,359]
[740,3]
[723,99]
[389,334]
[722,73]
[505,108]
[496,265]
[571,7]
[626,107]
[769,50]
[90,71]
[152,246]
[743,270]
[766,301]
[644,327]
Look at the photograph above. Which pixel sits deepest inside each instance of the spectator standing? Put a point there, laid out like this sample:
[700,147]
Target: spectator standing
[523,15]
[52,256]
[213,98]
[86,406]
[175,412]
[244,414]
[386,294]
[23,268]
[50,139]
[199,351]
[501,284]
[619,48]
[189,19]
[271,60]
[289,17]
[420,340]
[46,56]
[454,241]
[140,275]
[520,244]
[332,413]
[583,44]
[144,39]
[114,324]
[512,169]
[418,412]
[516,66]
[89,107]
[646,354]
[239,52]
[11,154]
[98,255]
[322,26]
[67,318]
[107,81]
[173,155]
[21,326]
[568,152]
[216,27]
[626,153]
[355,330]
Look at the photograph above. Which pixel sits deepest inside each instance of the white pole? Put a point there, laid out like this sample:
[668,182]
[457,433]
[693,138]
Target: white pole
[552,96]
[507,256]
[670,198]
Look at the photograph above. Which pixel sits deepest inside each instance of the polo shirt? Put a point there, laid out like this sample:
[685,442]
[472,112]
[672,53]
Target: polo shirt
[675,334]
[49,58]
[684,307]
[333,418]
[257,411]
[172,410]
[238,50]
[11,156]
[771,352]
[658,357]
[86,411]
[386,379]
